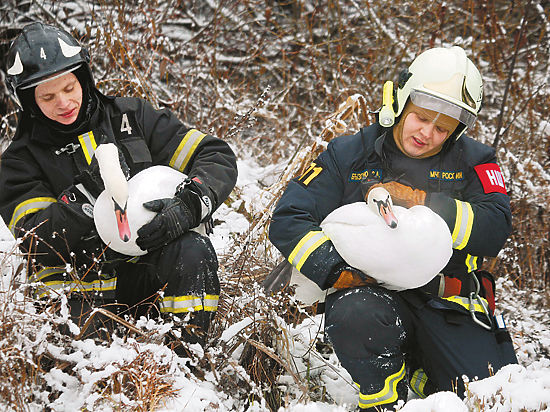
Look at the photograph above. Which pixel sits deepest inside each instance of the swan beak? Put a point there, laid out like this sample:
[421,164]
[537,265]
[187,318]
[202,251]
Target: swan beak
[122,222]
[385,210]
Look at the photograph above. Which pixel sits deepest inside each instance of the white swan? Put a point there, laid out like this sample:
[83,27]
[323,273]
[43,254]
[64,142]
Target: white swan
[401,248]
[405,257]
[118,210]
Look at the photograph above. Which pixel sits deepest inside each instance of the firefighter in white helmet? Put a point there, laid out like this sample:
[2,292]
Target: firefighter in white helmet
[419,151]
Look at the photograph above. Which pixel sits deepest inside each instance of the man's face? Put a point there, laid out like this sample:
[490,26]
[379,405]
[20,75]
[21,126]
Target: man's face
[421,134]
[60,99]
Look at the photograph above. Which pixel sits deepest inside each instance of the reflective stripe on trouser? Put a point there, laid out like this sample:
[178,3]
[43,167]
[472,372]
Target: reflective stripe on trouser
[179,304]
[54,281]
[449,344]
[418,382]
[368,334]
[388,394]
[183,273]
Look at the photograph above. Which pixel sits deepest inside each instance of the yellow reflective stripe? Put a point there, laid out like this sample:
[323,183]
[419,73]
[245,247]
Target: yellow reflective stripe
[388,394]
[97,285]
[463,224]
[316,171]
[88,145]
[471,263]
[178,304]
[185,149]
[465,302]
[418,381]
[305,247]
[27,207]
[44,273]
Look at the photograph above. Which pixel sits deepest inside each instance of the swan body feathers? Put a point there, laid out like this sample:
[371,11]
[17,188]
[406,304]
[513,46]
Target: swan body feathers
[403,251]
[156,182]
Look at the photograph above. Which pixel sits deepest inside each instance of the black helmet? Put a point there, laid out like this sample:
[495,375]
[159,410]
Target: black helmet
[41,51]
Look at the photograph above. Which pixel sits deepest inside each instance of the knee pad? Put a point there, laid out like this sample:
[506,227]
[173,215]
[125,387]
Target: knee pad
[192,249]
[364,322]
[190,255]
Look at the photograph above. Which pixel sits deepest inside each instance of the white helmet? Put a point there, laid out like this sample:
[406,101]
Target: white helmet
[443,80]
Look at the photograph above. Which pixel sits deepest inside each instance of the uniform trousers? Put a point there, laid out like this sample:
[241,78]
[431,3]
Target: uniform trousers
[380,336]
[178,281]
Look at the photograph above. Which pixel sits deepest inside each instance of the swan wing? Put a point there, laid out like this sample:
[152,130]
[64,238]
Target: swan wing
[406,257]
[156,182]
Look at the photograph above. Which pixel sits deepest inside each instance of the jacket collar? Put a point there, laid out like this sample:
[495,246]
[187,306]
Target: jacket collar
[379,143]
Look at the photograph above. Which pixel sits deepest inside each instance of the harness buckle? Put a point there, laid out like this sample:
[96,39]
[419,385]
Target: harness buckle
[69,149]
[474,296]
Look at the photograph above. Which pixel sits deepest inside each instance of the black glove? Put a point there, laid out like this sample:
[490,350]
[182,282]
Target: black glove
[91,179]
[175,216]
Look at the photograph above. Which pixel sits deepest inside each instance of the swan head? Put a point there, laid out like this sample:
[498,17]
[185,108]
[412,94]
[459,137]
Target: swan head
[116,185]
[379,200]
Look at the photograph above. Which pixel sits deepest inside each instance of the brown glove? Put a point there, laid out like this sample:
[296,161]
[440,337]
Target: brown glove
[402,195]
[349,279]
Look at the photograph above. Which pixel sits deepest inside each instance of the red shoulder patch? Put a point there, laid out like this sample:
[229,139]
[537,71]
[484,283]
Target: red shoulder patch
[491,178]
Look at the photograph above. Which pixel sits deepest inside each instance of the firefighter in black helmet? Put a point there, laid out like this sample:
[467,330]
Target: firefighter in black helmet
[419,152]
[49,180]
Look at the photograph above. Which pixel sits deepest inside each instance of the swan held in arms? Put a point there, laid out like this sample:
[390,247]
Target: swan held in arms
[401,248]
[406,256]
[118,210]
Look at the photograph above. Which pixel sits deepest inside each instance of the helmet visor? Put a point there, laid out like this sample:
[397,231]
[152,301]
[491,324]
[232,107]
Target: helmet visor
[437,104]
[48,78]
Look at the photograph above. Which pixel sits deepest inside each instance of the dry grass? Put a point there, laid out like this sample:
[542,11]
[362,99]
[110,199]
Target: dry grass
[496,401]
[37,342]
[20,358]
[270,77]
[142,384]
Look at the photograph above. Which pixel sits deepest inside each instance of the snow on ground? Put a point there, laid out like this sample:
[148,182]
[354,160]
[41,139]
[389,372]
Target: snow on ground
[8,261]
[524,387]
[229,222]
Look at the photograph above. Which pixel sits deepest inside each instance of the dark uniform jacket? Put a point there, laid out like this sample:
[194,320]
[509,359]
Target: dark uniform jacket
[463,183]
[39,168]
